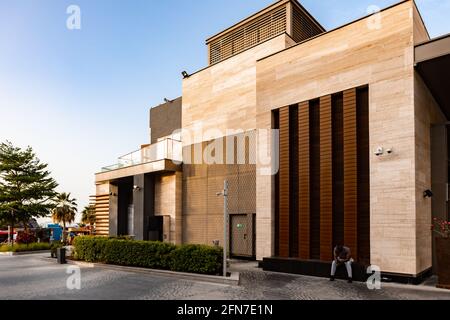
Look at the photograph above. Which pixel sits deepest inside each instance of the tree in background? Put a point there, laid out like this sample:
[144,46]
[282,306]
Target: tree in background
[26,188]
[64,211]
[88,216]
[3,224]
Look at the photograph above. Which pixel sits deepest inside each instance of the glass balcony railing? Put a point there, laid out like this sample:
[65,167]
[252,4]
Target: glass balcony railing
[168,149]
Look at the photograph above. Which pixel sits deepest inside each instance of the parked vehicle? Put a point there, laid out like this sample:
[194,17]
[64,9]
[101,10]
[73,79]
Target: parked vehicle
[4,236]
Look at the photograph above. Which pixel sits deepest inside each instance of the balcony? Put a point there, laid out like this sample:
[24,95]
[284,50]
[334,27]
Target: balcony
[167,149]
[165,155]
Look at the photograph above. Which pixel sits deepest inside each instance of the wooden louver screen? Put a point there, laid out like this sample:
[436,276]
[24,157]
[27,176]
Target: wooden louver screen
[302,27]
[324,167]
[267,26]
[101,203]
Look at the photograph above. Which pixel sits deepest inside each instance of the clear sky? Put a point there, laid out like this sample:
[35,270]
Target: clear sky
[80,98]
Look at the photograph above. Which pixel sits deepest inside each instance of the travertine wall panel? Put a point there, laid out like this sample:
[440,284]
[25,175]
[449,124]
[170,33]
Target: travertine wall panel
[427,114]
[223,96]
[168,202]
[361,53]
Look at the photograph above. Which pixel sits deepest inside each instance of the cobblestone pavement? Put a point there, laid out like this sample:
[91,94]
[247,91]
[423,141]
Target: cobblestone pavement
[33,277]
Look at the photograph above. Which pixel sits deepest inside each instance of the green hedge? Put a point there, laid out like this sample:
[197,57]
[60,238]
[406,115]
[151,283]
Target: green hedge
[147,254]
[26,247]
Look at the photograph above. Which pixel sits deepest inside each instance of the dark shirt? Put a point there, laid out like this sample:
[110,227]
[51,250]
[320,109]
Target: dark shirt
[342,256]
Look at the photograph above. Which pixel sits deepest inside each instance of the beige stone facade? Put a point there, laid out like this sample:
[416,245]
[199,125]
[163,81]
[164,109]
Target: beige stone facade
[168,203]
[382,58]
[223,96]
[241,93]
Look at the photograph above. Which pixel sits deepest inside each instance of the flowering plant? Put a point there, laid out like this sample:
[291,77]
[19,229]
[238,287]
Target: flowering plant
[25,237]
[441,227]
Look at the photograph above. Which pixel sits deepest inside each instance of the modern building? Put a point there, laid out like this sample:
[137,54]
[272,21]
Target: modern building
[324,137]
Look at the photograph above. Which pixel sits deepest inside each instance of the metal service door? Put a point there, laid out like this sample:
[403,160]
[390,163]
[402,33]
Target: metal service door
[241,235]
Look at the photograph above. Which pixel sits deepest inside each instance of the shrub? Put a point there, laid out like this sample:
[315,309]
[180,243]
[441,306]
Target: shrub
[89,249]
[25,237]
[197,259]
[54,247]
[121,238]
[149,254]
[34,247]
[25,247]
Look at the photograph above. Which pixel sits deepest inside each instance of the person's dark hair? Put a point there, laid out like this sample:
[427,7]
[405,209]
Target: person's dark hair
[339,248]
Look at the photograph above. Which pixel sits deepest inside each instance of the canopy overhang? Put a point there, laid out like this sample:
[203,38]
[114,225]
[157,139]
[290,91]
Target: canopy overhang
[432,61]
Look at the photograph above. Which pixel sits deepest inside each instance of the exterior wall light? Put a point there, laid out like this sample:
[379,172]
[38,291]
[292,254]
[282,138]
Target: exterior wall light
[185,74]
[136,188]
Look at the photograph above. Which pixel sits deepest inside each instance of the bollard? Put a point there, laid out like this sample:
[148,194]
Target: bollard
[61,255]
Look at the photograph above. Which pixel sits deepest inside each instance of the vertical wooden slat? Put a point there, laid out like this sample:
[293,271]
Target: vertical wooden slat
[276,126]
[338,168]
[362,113]
[304,181]
[350,172]
[326,179]
[284,184]
[293,182]
[314,177]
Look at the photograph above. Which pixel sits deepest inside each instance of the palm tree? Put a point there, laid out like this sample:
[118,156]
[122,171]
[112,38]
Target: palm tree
[64,211]
[88,216]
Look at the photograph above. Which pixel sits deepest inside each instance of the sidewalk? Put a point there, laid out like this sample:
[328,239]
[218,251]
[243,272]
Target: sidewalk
[249,269]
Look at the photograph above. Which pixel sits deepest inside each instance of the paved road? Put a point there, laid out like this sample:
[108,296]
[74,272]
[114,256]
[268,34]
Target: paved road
[33,277]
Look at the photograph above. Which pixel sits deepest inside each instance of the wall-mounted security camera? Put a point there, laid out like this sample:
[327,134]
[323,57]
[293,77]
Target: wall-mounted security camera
[136,188]
[379,152]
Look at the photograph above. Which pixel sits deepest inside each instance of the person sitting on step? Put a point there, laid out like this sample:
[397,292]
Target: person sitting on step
[342,256]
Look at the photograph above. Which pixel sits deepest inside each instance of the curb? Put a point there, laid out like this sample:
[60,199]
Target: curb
[233,280]
[415,287]
[23,253]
